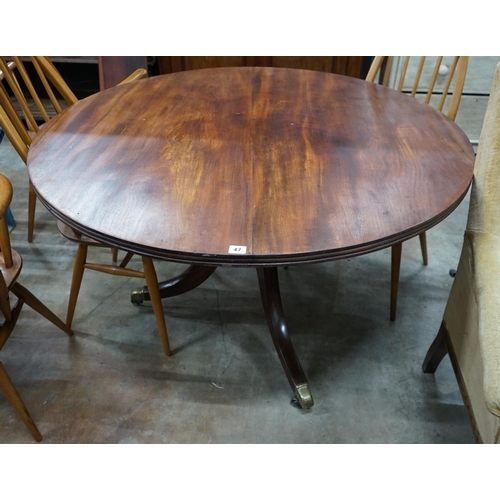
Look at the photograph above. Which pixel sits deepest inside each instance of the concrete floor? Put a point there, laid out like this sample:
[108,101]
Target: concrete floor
[111,382]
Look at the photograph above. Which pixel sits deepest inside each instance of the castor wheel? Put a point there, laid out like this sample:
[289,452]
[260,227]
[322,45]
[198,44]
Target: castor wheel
[303,398]
[137,297]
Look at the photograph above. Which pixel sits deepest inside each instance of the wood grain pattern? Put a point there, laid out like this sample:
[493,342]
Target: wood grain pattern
[298,166]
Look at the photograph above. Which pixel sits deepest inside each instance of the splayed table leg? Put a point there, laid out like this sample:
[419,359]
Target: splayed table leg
[273,308]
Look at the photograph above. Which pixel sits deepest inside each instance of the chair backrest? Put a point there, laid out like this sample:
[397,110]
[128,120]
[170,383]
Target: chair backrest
[421,77]
[32,95]
[28,97]
[21,142]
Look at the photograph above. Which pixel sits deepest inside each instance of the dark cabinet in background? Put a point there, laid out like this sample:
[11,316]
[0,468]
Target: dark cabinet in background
[356,66]
[89,74]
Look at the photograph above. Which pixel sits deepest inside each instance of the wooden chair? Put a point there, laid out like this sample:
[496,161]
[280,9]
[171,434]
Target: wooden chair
[423,81]
[11,120]
[470,330]
[10,267]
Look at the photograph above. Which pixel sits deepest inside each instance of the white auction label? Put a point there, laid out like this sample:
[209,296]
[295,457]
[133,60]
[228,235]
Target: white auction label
[237,249]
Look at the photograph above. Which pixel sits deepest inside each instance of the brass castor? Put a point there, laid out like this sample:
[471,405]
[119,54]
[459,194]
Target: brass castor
[303,398]
[137,297]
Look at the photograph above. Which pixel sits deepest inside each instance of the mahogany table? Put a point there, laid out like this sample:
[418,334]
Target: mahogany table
[260,167]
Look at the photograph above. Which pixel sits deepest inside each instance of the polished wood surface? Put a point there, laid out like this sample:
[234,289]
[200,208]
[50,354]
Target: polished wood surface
[298,166]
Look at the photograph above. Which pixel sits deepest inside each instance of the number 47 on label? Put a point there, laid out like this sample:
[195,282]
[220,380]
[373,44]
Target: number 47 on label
[237,249]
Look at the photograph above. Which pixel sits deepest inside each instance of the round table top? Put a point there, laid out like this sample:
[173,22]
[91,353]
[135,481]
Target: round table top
[251,166]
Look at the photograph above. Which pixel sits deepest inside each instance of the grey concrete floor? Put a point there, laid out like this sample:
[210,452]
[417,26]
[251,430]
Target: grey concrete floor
[111,382]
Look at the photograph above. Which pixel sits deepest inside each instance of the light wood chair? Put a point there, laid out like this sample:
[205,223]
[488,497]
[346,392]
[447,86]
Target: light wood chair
[10,268]
[470,330]
[423,81]
[12,121]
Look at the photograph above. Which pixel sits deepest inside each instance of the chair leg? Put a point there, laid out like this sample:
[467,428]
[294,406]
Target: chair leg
[35,304]
[126,259]
[114,252]
[437,351]
[5,306]
[76,281]
[31,212]
[9,324]
[395,268]
[423,246]
[7,387]
[154,293]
